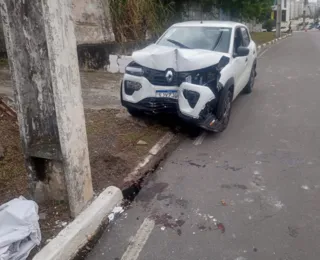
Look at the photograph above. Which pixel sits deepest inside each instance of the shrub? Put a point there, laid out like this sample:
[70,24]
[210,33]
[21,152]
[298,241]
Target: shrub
[269,24]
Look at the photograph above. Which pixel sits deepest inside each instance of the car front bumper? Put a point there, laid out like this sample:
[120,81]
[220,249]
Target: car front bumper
[191,102]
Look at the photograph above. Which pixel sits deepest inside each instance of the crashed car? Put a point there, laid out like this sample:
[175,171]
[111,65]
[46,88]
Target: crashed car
[196,69]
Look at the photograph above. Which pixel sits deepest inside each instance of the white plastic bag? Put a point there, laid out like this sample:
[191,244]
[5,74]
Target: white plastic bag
[19,229]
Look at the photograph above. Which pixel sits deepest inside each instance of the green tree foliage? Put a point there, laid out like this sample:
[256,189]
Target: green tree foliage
[243,9]
[131,19]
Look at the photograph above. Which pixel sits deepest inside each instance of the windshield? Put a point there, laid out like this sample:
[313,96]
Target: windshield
[206,38]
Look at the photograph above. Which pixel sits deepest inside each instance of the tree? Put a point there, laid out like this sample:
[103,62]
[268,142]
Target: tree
[243,9]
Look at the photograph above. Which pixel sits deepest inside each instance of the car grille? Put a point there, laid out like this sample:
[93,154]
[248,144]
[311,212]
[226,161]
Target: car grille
[159,104]
[158,78]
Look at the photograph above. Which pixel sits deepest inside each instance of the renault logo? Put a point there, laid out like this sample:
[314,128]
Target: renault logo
[169,76]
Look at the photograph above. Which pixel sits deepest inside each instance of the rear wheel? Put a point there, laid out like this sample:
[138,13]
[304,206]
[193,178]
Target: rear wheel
[248,89]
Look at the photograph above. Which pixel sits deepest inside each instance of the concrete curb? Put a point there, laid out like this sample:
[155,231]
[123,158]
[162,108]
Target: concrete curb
[81,230]
[154,156]
[260,47]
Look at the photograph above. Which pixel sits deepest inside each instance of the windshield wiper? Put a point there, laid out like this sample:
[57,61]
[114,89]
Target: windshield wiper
[178,44]
[217,42]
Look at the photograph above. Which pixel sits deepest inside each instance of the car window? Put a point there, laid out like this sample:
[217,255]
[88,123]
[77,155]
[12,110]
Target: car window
[245,37]
[237,40]
[206,38]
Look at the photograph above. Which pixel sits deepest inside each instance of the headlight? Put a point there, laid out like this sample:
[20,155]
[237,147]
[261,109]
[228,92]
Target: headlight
[134,69]
[194,78]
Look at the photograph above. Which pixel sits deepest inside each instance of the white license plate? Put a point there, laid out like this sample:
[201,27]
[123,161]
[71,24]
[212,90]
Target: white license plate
[167,94]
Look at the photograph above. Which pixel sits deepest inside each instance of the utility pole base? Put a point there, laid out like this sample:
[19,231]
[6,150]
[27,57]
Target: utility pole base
[41,47]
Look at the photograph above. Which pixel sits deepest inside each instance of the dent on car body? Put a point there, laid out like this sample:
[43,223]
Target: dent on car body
[197,74]
[162,57]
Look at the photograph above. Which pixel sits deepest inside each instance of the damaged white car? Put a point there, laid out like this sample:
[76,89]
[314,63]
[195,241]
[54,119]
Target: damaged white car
[196,69]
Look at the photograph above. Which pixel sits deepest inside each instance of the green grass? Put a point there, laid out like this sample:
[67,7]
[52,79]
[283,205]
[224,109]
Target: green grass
[262,37]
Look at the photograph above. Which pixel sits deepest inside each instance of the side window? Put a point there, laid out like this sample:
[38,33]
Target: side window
[245,36]
[237,40]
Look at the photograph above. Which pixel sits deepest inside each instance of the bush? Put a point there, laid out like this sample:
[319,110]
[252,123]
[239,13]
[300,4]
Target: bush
[131,19]
[268,25]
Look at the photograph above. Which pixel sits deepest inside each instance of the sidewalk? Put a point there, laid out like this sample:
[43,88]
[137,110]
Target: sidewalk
[100,90]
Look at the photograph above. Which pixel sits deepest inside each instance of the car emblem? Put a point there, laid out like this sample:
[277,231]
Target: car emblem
[169,76]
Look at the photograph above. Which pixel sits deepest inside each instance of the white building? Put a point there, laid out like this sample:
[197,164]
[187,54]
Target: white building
[311,9]
[285,5]
[296,9]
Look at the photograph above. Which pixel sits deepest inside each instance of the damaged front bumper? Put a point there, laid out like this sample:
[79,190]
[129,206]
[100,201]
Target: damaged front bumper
[193,103]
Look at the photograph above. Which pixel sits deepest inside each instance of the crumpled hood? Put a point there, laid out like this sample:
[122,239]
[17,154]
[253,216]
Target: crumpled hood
[162,57]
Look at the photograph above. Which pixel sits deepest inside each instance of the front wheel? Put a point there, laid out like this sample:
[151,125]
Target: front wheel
[248,89]
[225,117]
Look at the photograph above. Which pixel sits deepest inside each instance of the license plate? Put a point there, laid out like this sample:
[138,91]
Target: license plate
[167,94]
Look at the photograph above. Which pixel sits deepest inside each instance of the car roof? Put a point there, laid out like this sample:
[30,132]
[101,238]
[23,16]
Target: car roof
[208,24]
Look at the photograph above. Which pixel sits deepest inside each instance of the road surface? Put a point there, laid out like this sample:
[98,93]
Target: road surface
[252,192]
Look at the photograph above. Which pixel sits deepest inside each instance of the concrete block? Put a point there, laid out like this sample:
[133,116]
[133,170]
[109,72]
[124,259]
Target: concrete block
[113,67]
[123,63]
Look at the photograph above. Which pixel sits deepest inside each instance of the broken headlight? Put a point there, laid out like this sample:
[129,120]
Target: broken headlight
[134,69]
[200,77]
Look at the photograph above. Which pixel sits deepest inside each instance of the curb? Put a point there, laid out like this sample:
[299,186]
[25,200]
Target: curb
[155,155]
[82,229]
[69,242]
[260,47]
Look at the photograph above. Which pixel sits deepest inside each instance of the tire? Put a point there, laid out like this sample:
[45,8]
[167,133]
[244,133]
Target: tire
[249,87]
[135,112]
[225,117]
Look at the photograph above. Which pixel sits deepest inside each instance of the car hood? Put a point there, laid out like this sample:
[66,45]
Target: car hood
[162,57]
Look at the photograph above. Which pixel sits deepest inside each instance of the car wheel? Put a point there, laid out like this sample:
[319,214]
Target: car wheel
[248,89]
[135,112]
[225,117]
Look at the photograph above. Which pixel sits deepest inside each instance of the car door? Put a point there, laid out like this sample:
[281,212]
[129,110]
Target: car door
[238,63]
[247,42]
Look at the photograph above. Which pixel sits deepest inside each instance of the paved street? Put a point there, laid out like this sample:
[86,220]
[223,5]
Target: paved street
[252,192]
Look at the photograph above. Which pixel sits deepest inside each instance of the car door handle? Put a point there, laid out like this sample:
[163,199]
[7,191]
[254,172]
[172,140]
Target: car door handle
[246,59]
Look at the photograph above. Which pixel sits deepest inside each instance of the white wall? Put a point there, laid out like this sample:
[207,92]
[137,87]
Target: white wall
[92,21]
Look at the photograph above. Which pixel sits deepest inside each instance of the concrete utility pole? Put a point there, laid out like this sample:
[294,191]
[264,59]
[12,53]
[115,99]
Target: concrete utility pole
[279,19]
[41,47]
[305,3]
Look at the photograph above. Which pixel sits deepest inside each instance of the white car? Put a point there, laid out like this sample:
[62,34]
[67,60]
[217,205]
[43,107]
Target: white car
[196,69]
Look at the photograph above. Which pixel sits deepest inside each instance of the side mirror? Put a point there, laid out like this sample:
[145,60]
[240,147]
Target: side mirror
[242,51]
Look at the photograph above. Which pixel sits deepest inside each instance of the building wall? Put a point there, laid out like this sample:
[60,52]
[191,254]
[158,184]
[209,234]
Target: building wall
[92,21]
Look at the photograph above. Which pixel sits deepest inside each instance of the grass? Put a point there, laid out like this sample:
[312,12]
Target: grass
[262,37]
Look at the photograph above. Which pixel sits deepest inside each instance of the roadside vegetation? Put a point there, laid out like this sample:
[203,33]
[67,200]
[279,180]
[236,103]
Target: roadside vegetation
[133,20]
[263,37]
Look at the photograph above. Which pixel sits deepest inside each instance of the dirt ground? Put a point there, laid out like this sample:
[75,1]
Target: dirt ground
[112,137]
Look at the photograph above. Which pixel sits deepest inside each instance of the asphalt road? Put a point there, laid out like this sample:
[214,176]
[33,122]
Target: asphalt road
[252,192]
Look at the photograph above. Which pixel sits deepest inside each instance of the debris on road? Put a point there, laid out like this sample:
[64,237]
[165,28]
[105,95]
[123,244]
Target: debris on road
[305,187]
[19,228]
[223,203]
[141,142]
[221,227]
[116,211]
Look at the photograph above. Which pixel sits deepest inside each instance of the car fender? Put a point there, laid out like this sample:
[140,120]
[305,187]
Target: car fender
[227,86]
